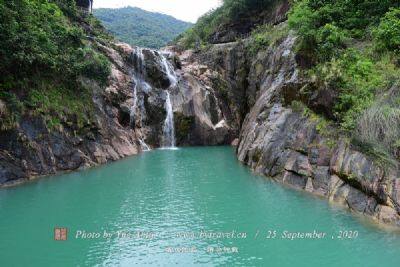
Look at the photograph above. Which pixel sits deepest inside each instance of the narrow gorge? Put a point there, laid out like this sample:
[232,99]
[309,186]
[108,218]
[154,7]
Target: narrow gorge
[265,134]
[220,95]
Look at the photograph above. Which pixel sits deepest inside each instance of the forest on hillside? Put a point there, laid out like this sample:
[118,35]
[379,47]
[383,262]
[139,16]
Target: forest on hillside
[141,28]
[347,48]
[45,52]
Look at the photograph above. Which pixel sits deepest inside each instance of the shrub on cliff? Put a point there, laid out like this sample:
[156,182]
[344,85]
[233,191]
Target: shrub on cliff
[37,39]
[339,39]
[379,126]
[229,12]
[42,44]
[324,26]
[387,34]
[265,36]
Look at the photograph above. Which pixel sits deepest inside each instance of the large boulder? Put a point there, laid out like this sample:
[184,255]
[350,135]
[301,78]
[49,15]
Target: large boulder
[280,142]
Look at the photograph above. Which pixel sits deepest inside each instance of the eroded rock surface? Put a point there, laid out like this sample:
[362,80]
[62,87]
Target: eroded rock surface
[128,117]
[285,145]
[219,96]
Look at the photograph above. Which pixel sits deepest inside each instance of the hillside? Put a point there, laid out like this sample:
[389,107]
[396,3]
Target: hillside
[71,97]
[349,53]
[45,54]
[57,62]
[141,28]
[309,91]
[318,89]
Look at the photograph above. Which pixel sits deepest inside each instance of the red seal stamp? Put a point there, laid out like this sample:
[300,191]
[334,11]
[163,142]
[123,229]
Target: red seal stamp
[60,234]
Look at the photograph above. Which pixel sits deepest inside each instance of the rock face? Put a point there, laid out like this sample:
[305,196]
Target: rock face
[283,144]
[275,13]
[31,149]
[204,113]
[219,96]
[129,117]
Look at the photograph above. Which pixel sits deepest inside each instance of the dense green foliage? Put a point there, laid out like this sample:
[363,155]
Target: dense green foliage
[353,47]
[37,39]
[358,78]
[348,47]
[42,47]
[141,28]
[230,11]
[324,26]
[265,36]
[387,35]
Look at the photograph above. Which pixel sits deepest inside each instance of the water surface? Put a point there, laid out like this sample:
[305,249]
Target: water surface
[188,191]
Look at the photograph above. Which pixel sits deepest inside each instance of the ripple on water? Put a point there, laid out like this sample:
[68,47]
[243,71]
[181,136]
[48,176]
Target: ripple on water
[180,190]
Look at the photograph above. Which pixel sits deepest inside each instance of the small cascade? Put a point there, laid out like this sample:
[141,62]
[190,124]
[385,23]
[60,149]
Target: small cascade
[169,130]
[140,83]
[140,71]
[143,145]
[169,127]
[137,112]
[169,70]
[134,105]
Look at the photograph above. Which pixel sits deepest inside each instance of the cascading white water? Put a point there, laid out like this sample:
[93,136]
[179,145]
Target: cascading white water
[144,146]
[136,113]
[169,128]
[140,83]
[134,105]
[170,74]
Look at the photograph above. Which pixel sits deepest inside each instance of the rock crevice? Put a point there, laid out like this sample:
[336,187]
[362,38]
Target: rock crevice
[284,144]
[217,96]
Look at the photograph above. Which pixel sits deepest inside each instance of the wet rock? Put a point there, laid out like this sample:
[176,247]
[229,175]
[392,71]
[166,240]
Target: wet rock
[294,180]
[10,168]
[388,215]
[356,169]
[155,72]
[320,180]
[340,194]
[309,186]
[235,142]
[392,190]
[360,202]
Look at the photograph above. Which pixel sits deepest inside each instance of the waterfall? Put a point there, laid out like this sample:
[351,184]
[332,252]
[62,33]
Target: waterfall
[134,105]
[140,83]
[140,71]
[136,112]
[167,67]
[169,130]
[143,145]
[169,127]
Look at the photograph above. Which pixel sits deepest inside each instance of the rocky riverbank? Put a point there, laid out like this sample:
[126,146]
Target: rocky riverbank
[281,140]
[282,143]
[219,95]
[31,149]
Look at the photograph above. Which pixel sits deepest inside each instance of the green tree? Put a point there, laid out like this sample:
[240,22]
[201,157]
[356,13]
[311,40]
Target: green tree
[387,34]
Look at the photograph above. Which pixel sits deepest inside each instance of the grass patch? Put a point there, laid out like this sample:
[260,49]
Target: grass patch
[267,35]
[44,52]
[60,106]
[13,111]
[324,127]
